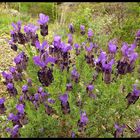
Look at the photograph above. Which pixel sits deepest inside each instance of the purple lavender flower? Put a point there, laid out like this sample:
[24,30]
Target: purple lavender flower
[75,75]
[21,62]
[82,27]
[43,19]
[13,117]
[102,56]
[133,96]
[57,41]
[82,122]
[71,28]
[133,57]
[40,90]
[17,35]
[138,33]
[18,59]
[2,107]
[76,46]
[70,39]
[37,61]
[126,64]
[119,130]
[89,49]
[64,103]
[108,66]
[44,94]
[107,69]
[11,89]
[63,98]
[30,29]
[66,48]
[41,47]
[2,100]
[8,77]
[24,88]
[17,26]
[124,48]
[137,130]
[12,69]
[51,101]
[69,87]
[73,135]
[112,47]
[20,108]
[36,96]
[15,131]
[130,50]
[14,37]
[29,82]
[89,88]
[90,34]
[21,99]
[83,118]
[41,63]
[10,86]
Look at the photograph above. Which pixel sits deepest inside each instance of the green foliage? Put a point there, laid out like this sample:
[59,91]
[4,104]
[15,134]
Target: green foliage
[110,104]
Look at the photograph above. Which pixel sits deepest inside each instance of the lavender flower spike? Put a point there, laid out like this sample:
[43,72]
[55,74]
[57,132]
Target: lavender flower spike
[112,46]
[43,19]
[63,98]
[82,27]
[119,130]
[71,28]
[2,100]
[20,108]
[25,88]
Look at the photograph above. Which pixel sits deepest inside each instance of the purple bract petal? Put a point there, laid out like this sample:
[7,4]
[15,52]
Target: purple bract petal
[63,98]
[2,100]
[83,118]
[36,96]
[90,87]
[51,101]
[10,86]
[40,89]
[38,61]
[90,33]
[20,108]
[43,19]
[112,46]
[76,46]
[12,69]
[24,88]
[82,27]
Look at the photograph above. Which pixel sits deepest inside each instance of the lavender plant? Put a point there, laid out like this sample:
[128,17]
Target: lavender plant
[66,88]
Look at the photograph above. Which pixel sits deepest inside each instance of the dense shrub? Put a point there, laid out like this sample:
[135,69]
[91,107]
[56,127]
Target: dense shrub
[70,86]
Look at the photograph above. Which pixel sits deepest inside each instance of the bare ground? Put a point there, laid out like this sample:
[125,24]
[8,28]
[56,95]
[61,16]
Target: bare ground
[6,60]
